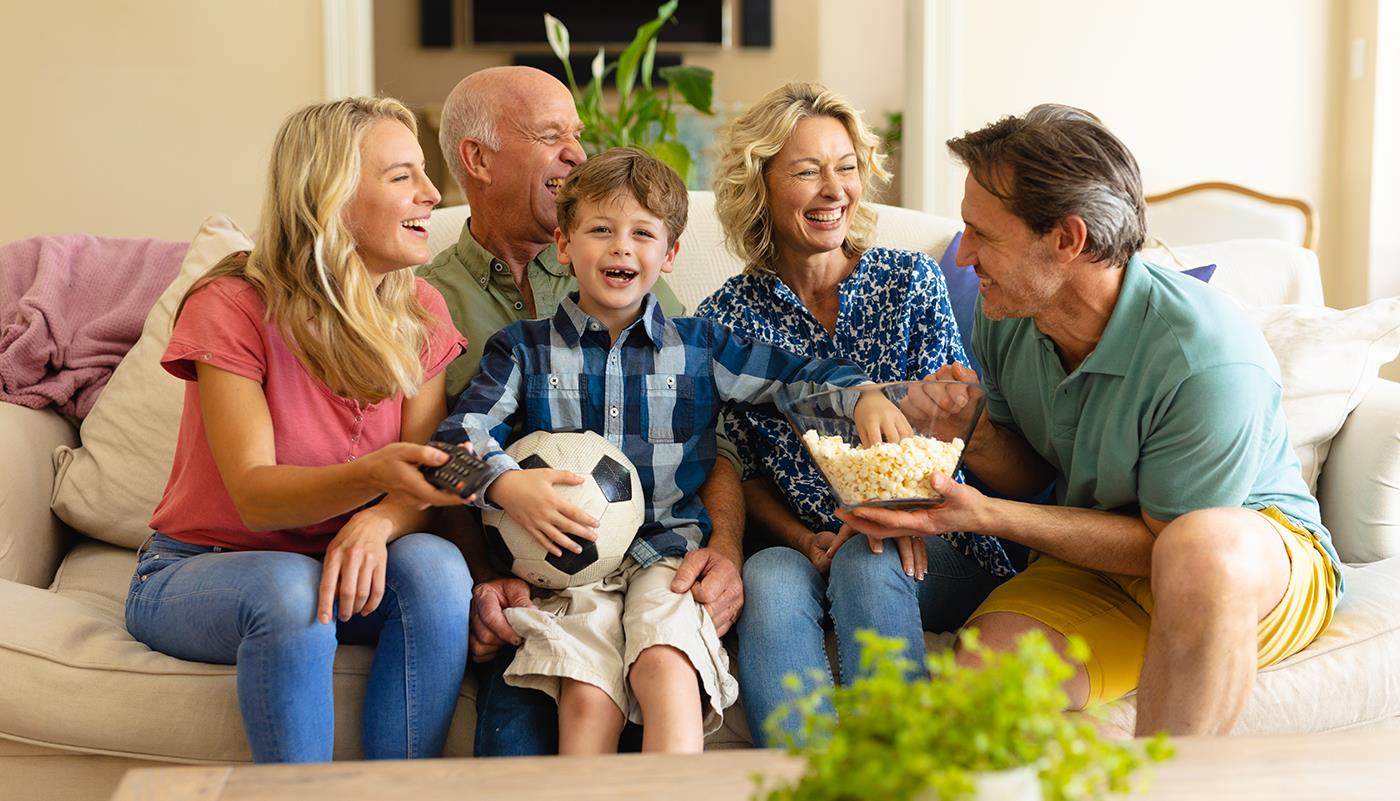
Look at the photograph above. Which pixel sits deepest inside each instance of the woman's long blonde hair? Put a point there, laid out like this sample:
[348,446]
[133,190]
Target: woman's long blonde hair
[754,138]
[361,342]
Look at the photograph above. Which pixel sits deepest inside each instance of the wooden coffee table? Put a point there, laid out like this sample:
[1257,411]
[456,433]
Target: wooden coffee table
[1351,766]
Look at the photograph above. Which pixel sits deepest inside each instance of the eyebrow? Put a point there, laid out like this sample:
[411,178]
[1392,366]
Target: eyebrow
[816,160]
[400,165]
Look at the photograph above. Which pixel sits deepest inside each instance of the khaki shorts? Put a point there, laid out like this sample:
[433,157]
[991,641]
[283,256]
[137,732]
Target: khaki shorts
[1113,612]
[594,633]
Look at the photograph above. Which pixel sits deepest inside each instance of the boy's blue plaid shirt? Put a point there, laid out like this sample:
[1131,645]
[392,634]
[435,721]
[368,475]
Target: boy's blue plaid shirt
[656,394]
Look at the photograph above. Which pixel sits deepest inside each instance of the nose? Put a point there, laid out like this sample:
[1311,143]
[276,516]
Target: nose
[964,257]
[831,185]
[621,244]
[573,154]
[429,195]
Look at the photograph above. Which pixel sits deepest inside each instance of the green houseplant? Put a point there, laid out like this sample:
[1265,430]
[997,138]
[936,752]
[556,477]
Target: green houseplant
[644,115]
[888,736]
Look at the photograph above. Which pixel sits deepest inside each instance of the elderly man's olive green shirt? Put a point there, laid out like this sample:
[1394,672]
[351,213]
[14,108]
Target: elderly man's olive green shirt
[482,297]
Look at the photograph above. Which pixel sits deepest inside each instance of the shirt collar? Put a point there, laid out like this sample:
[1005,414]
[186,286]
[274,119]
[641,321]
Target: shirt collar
[571,321]
[481,263]
[1113,354]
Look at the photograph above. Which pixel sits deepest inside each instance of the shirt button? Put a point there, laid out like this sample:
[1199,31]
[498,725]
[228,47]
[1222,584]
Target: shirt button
[206,356]
[497,266]
[612,412]
[483,280]
[354,437]
[359,418]
[592,326]
[349,459]
[554,381]
[670,382]
[519,305]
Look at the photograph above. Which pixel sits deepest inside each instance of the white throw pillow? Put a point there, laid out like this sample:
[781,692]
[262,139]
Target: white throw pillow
[108,487]
[1329,359]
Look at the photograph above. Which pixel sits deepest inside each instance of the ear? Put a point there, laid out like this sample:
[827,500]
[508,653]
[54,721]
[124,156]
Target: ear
[670,262]
[1069,237]
[475,159]
[561,245]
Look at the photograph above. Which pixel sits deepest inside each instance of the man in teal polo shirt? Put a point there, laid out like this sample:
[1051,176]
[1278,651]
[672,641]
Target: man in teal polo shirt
[1185,547]
[509,136]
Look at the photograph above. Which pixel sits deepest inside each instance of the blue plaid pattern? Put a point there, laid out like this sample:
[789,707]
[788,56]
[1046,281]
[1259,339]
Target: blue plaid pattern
[656,394]
[895,321]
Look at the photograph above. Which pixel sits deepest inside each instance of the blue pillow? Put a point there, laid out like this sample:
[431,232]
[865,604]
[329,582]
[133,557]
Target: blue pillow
[963,286]
[962,293]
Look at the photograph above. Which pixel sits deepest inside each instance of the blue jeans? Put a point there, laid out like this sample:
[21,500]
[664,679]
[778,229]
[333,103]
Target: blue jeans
[787,601]
[257,610]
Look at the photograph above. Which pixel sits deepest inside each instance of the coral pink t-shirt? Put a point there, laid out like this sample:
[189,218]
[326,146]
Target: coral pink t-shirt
[222,324]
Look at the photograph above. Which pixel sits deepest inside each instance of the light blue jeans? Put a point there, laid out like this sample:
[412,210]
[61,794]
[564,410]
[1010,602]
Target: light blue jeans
[257,610]
[786,602]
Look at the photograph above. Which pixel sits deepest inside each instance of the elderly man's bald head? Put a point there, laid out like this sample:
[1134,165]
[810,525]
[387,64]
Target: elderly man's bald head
[482,103]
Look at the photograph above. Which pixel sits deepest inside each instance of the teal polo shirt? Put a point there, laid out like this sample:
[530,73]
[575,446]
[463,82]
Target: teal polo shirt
[1177,408]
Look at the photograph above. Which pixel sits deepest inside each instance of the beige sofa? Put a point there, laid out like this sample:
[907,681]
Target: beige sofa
[80,701]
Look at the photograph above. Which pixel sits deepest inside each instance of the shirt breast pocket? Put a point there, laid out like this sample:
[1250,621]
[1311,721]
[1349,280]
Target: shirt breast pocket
[554,402]
[670,408]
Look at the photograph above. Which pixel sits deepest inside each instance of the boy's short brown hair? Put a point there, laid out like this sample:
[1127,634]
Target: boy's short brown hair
[655,186]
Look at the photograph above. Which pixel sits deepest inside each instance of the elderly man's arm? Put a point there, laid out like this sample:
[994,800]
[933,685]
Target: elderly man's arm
[712,573]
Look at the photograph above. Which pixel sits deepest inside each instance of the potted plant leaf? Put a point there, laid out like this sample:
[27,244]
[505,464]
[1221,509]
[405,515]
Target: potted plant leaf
[998,731]
[645,114]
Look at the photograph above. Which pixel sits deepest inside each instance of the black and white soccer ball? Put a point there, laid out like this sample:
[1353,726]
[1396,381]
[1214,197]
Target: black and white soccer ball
[611,492]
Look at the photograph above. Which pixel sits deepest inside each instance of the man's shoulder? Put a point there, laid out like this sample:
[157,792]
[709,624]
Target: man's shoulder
[1199,325]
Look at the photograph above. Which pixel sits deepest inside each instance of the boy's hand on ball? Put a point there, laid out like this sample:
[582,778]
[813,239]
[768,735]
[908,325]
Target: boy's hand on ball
[529,498]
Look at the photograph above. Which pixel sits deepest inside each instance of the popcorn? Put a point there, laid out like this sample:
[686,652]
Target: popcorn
[887,471]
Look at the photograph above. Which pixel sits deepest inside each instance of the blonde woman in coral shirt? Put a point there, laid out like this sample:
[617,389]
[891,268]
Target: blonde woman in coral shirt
[314,374]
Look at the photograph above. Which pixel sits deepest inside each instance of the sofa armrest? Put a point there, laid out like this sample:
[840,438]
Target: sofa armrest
[1359,488]
[32,540]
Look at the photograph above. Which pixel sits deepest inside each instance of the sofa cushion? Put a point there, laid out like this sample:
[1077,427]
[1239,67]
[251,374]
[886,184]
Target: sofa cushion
[1328,359]
[108,487]
[120,697]
[1255,272]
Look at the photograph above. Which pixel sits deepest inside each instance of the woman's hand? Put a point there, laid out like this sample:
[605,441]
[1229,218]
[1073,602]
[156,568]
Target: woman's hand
[353,568]
[913,557]
[529,498]
[879,420]
[820,551]
[393,469]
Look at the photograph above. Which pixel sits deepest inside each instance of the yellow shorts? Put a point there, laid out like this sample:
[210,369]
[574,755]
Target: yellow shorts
[1112,612]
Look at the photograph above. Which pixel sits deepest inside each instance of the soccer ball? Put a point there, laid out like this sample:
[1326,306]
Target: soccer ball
[611,492]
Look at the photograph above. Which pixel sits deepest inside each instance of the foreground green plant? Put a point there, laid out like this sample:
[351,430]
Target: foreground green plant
[893,737]
[643,117]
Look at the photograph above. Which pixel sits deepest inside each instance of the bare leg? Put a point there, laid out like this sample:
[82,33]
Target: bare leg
[589,721]
[999,631]
[669,693]
[1215,574]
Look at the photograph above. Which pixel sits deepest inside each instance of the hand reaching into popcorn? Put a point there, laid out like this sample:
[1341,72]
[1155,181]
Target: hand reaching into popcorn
[879,420]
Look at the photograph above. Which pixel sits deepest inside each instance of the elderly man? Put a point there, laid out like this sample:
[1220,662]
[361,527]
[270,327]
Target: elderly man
[1186,549]
[510,135]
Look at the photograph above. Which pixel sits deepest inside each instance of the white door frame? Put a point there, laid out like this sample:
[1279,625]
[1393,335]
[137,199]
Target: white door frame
[930,181]
[347,37]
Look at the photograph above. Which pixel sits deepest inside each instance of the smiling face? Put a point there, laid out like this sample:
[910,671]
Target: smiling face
[618,250]
[539,145]
[813,188]
[1019,275]
[388,215]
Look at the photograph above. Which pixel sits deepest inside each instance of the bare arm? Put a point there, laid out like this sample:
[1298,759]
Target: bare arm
[1005,461]
[272,496]
[768,509]
[712,574]
[1114,543]
[724,501]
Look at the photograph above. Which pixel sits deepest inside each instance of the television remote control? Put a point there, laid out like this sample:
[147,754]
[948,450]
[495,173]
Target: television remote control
[463,472]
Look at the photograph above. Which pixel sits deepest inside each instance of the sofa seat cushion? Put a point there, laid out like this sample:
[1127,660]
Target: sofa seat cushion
[1345,679]
[76,680]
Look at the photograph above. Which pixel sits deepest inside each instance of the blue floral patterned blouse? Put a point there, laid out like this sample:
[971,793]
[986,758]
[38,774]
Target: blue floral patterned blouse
[894,320]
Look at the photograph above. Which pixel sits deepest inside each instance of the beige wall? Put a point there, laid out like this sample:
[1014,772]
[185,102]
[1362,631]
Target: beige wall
[1242,91]
[141,118]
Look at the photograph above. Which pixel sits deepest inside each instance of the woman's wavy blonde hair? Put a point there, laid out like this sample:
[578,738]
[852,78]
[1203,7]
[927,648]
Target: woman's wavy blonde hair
[361,341]
[754,138]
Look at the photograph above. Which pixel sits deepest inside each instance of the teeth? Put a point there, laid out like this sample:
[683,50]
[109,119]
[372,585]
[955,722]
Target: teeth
[824,216]
[554,182]
[417,225]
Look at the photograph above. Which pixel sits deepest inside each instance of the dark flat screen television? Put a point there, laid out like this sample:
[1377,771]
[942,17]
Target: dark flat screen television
[593,22]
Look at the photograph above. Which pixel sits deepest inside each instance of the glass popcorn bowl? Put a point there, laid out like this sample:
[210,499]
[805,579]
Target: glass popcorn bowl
[942,414]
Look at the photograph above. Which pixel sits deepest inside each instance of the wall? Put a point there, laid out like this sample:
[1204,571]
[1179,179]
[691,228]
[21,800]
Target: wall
[141,118]
[1200,90]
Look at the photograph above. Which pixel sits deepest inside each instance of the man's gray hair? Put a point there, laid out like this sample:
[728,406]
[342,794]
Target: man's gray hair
[1057,161]
[467,115]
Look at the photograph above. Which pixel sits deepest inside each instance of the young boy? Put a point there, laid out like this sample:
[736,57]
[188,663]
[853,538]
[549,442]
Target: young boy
[611,362]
